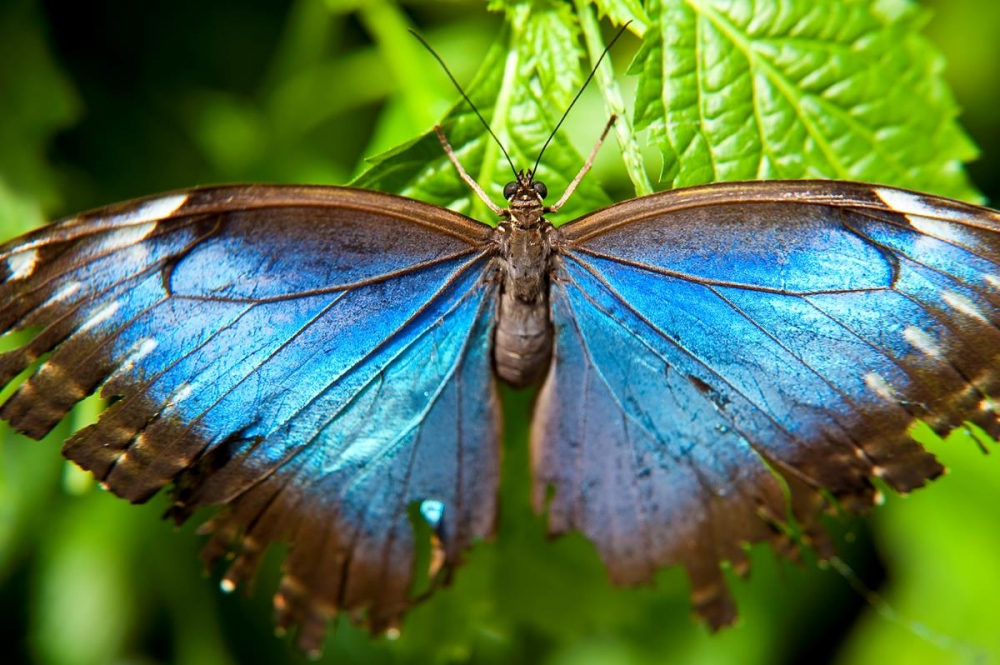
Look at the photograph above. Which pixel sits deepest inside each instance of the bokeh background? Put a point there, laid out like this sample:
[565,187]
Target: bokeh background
[101,102]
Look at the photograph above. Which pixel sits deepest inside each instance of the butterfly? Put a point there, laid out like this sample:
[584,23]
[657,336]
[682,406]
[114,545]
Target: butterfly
[319,361]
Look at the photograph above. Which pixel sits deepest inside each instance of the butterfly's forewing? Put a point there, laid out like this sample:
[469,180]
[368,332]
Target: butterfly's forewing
[315,359]
[712,340]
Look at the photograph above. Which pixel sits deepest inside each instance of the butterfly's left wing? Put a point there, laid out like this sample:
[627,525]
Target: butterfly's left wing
[313,359]
[718,343]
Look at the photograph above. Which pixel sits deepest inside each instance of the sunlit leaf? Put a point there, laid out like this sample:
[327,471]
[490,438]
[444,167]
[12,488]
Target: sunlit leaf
[738,90]
[522,93]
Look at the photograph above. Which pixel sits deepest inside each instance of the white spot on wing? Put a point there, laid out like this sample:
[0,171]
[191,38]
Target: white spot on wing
[908,203]
[183,392]
[988,405]
[127,236]
[879,386]
[138,255]
[925,217]
[935,228]
[100,316]
[22,264]
[65,292]
[151,211]
[964,305]
[141,349]
[52,370]
[432,511]
[921,341]
[137,224]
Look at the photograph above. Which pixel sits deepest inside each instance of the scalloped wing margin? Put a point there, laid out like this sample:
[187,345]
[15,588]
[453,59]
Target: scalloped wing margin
[314,364]
[779,339]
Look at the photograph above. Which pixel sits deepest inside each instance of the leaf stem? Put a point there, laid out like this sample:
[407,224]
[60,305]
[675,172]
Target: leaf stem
[605,77]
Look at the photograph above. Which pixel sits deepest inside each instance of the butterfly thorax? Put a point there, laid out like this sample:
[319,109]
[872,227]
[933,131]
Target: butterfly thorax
[523,342]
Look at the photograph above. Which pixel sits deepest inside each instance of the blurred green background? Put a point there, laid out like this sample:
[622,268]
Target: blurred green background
[101,102]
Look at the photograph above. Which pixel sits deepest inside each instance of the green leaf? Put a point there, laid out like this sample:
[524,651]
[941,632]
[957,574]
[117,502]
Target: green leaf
[941,544]
[620,11]
[37,101]
[736,90]
[64,632]
[527,80]
[605,81]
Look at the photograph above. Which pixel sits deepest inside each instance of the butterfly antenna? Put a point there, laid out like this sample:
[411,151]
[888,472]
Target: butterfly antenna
[466,97]
[579,92]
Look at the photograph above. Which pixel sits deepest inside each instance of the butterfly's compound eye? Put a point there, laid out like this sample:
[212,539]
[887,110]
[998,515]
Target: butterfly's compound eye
[509,190]
[540,187]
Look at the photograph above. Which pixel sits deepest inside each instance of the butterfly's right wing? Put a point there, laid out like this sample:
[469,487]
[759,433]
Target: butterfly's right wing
[315,360]
[722,348]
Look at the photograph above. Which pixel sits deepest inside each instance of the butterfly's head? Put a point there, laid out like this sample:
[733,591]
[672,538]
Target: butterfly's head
[525,191]
[525,199]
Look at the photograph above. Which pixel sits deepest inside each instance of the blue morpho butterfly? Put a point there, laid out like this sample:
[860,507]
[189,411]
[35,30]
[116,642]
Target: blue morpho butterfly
[317,360]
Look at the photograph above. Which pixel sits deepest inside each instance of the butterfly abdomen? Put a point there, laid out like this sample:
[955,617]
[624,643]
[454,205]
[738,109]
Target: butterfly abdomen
[522,345]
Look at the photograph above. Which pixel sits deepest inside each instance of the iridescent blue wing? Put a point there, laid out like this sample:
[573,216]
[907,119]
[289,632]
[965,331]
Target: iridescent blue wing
[716,343]
[313,359]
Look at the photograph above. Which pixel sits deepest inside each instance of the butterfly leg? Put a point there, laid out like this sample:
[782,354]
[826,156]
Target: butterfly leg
[465,176]
[586,167]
